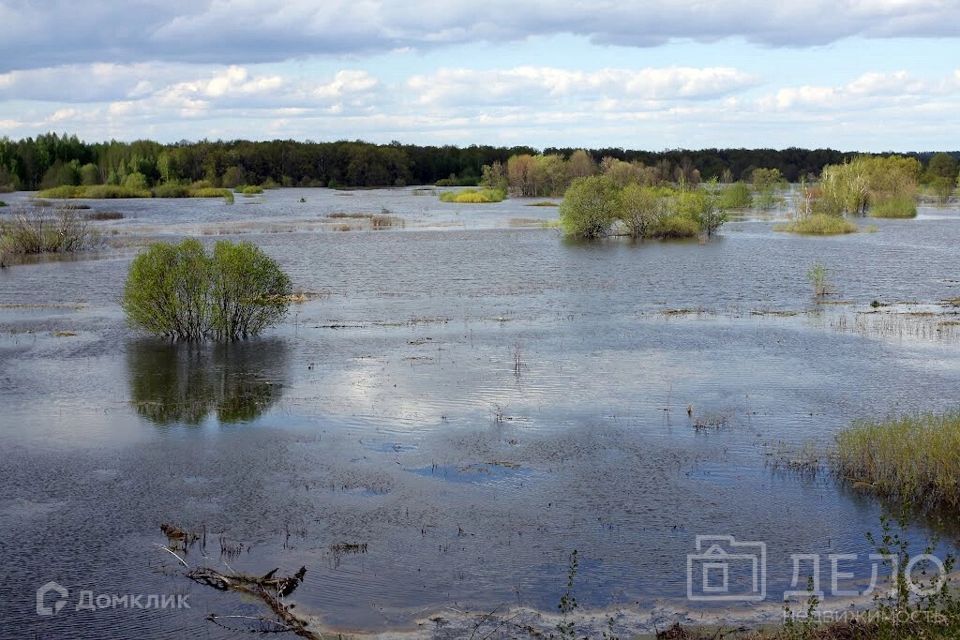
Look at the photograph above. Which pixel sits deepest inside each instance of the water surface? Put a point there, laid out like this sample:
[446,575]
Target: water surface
[658,386]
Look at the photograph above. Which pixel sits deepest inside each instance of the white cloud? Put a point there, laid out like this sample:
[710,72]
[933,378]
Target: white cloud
[870,90]
[646,108]
[36,34]
[526,85]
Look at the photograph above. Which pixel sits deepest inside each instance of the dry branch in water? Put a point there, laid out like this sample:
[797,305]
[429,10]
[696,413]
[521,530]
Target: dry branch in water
[269,588]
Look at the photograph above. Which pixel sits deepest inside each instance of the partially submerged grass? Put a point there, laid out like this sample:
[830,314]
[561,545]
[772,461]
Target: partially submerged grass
[108,191]
[93,192]
[212,192]
[819,224]
[103,215]
[251,190]
[380,222]
[339,215]
[171,190]
[914,458]
[902,207]
[543,203]
[36,231]
[473,196]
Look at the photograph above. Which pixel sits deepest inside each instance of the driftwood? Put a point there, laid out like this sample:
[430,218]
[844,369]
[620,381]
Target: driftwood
[269,588]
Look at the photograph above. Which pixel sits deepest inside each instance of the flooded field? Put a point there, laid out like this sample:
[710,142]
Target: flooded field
[461,400]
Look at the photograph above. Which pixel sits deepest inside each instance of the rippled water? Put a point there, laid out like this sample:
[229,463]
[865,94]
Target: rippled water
[389,410]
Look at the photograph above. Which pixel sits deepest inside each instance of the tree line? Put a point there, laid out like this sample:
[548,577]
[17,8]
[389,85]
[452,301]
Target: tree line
[52,160]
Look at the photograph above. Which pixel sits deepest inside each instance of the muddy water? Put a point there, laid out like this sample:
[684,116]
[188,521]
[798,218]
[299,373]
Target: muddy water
[466,394]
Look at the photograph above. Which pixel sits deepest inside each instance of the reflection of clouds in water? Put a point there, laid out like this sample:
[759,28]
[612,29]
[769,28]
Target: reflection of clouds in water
[184,383]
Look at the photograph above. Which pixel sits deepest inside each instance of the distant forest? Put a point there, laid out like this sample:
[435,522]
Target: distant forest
[50,160]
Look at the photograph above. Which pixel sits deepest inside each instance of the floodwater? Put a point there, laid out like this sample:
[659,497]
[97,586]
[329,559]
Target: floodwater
[465,394]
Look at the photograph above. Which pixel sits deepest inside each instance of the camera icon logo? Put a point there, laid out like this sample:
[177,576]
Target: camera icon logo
[51,587]
[724,570]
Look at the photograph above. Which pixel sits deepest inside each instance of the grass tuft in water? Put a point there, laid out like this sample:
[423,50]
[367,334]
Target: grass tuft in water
[94,192]
[913,458]
[474,196]
[900,207]
[819,224]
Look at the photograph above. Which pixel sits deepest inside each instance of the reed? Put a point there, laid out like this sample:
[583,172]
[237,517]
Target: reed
[911,458]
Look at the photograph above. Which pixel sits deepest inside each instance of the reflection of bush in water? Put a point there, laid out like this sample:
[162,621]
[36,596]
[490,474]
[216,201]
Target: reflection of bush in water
[184,383]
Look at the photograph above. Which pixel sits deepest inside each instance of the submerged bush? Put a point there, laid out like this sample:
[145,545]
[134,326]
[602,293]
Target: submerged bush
[474,196]
[868,182]
[675,227]
[641,209]
[596,206]
[735,196]
[898,207]
[251,190]
[819,224]
[42,230]
[915,459]
[767,184]
[590,206]
[180,291]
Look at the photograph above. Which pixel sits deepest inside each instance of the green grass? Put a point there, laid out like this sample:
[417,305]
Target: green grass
[543,203]
[212,192]
[251,190]
[93,192]
[819,224]
[901,207]
[914,458]
[107,191]
[61,193]
[171,190]
[473,196]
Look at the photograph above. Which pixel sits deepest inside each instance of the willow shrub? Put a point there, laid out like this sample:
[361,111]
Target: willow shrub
[590,207]
[182,292]
[735,196]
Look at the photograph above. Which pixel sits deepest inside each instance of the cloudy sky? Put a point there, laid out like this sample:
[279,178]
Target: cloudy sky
[867,75]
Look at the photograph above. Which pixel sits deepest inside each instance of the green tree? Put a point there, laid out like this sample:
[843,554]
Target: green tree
[942,165]
[181,292]
[250,292]
[941,175]
[233,177]
[168,290]
[590,206]
[135,181]
[581,165]
[89,174]
[641,210]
